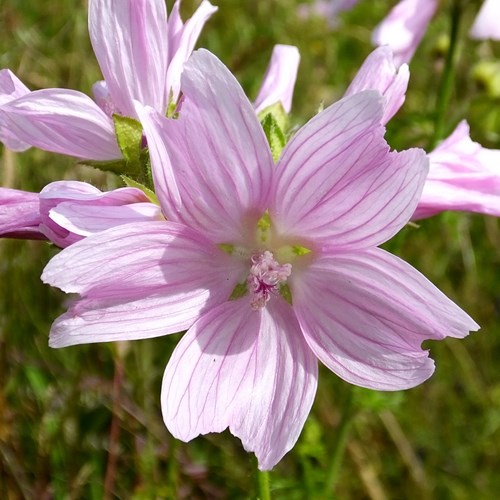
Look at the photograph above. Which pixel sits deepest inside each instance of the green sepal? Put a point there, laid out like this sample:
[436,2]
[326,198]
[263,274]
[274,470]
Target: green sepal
[129,137]
[274,134]
[278,113]
[240,290]
[118,167]
[286,293]
[148,192]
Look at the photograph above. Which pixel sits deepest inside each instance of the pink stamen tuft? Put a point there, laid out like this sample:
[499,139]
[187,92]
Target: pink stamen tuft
[266,275]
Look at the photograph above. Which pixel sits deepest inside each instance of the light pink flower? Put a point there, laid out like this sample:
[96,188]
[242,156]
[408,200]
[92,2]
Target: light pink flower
[279,80]
[404,27]
[329,9]
[462,176]
[487,23]
[67,211]
[141,55]
[269,267]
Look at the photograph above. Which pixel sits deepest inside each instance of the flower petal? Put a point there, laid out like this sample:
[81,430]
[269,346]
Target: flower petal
[220,156]
[181,41]
[19,214]
[10,89]
[462,176]
[338,184]
[279,80]
[366,314]
[404,27]
[486,24]
[71,210]
[138,281]
[247,370]
[378,72]
[62,121]
[130,42]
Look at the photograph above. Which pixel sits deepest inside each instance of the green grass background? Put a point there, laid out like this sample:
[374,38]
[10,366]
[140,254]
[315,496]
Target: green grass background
[85,421]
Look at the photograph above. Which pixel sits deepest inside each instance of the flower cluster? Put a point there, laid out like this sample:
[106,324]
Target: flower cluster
[263,248]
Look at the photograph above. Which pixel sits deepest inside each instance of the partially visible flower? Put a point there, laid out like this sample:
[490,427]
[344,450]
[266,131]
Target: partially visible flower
[67,211]
[269,267]
[404,27]
[141,55]
[487,23]
[329,9]
[279,81]
[462,176]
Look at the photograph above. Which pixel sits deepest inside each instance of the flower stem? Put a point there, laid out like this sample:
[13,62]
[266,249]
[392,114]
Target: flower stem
[340,444]
[264,485]
[446,85]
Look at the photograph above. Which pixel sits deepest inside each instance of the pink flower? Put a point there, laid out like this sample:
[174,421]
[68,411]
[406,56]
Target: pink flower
[406,24]
[404,27]
[462,176]
[269,267]
[279,80]
[131,39]
[67,211]
[487,23]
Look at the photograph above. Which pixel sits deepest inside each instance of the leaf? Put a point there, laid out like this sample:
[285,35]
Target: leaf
[129,137]
[275,135]
[148,192]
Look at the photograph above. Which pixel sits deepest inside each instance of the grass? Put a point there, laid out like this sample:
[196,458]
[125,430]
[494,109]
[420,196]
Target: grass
[85,421]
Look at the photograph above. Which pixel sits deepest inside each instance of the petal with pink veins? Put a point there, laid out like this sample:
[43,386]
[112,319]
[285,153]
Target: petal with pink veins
[62,121]
[182,38]
[462,176]
[337,183]
[279,80]
[130,41]
[366,314]
[138,281]
[378,72]
[224,175]
[247,370]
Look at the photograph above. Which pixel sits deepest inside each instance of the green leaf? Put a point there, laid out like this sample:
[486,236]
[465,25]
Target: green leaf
[275,135]
[116,166]
[148,192]
[129,137]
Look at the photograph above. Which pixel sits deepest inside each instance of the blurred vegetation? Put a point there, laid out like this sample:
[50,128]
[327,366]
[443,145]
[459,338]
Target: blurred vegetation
[85,421]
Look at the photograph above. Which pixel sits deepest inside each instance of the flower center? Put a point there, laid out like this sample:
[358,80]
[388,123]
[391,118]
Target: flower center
[265,278]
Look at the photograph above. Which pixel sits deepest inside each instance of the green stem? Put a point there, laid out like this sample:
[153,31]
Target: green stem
[446,85]
[340,444]
[264,485]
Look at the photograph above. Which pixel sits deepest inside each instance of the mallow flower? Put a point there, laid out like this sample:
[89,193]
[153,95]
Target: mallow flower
[141,54]
[67,211]
[405,25]
[269,267]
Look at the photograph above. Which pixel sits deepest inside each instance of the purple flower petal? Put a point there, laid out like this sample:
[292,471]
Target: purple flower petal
[138,281]
[404,27]
[462,176]
[366,314]
[10,89]
[130,42]
[221,158]
[486,24]
[378,72]
[62,121]
[246,370]
[279,80]
[338,183]
[19,214]
[182,39]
